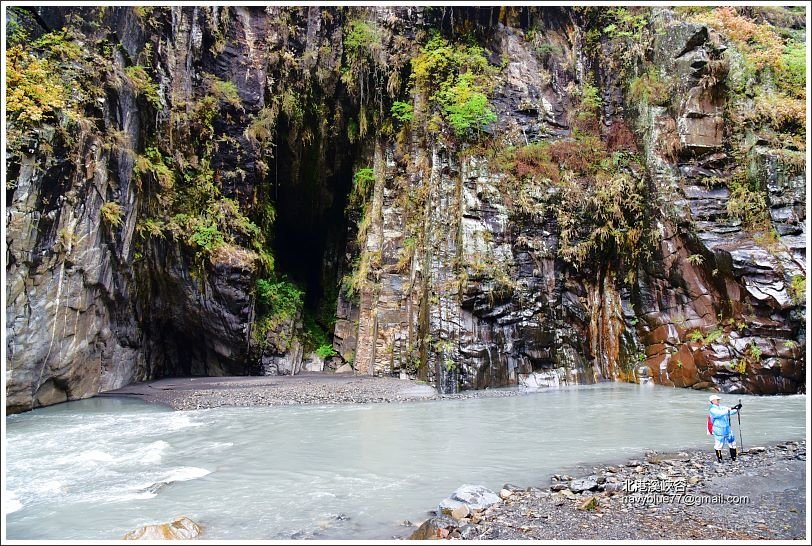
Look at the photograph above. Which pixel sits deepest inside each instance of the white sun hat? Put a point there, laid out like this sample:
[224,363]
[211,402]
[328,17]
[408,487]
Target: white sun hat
[714,397]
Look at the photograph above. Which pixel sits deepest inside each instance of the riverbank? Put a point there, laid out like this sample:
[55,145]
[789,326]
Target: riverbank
[191,393]
[662,496]
[342,472]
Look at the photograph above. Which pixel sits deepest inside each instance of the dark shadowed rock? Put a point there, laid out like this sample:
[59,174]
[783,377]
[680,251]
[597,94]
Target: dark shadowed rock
[434,529]
[589,483]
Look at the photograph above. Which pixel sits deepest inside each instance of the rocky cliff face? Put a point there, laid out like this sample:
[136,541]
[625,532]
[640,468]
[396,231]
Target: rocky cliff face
[473,197]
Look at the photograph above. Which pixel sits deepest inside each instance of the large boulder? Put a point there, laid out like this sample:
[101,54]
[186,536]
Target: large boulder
[434,529]
[475,497]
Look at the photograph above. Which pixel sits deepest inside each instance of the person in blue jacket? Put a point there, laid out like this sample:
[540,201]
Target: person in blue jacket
[720,415]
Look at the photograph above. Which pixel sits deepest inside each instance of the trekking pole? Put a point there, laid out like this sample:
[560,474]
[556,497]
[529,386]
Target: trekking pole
[739,415]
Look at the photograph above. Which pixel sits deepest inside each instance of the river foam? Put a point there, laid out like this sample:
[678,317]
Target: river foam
[12,503]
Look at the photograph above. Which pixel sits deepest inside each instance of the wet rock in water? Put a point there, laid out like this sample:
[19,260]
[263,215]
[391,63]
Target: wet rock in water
[434,528]
[181,528]
[155,487]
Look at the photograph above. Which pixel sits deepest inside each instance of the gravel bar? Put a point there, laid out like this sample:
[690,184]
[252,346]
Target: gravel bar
[190,393]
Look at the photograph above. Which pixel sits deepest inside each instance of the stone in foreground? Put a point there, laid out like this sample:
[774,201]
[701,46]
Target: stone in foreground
[589,503]
[590,483]
[181,528]
[475,497]
[434,529]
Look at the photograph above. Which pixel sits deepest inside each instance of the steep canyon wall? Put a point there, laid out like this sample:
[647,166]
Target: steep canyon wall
[472,197]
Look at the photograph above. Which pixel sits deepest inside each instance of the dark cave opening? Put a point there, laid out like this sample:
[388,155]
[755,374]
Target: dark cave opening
[310,193]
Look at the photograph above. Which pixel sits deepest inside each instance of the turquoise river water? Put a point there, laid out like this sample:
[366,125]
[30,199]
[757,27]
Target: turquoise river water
[89,469]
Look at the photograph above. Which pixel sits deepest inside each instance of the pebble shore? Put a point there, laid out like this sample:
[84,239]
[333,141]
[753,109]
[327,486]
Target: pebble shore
[192,393]
[664,496]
